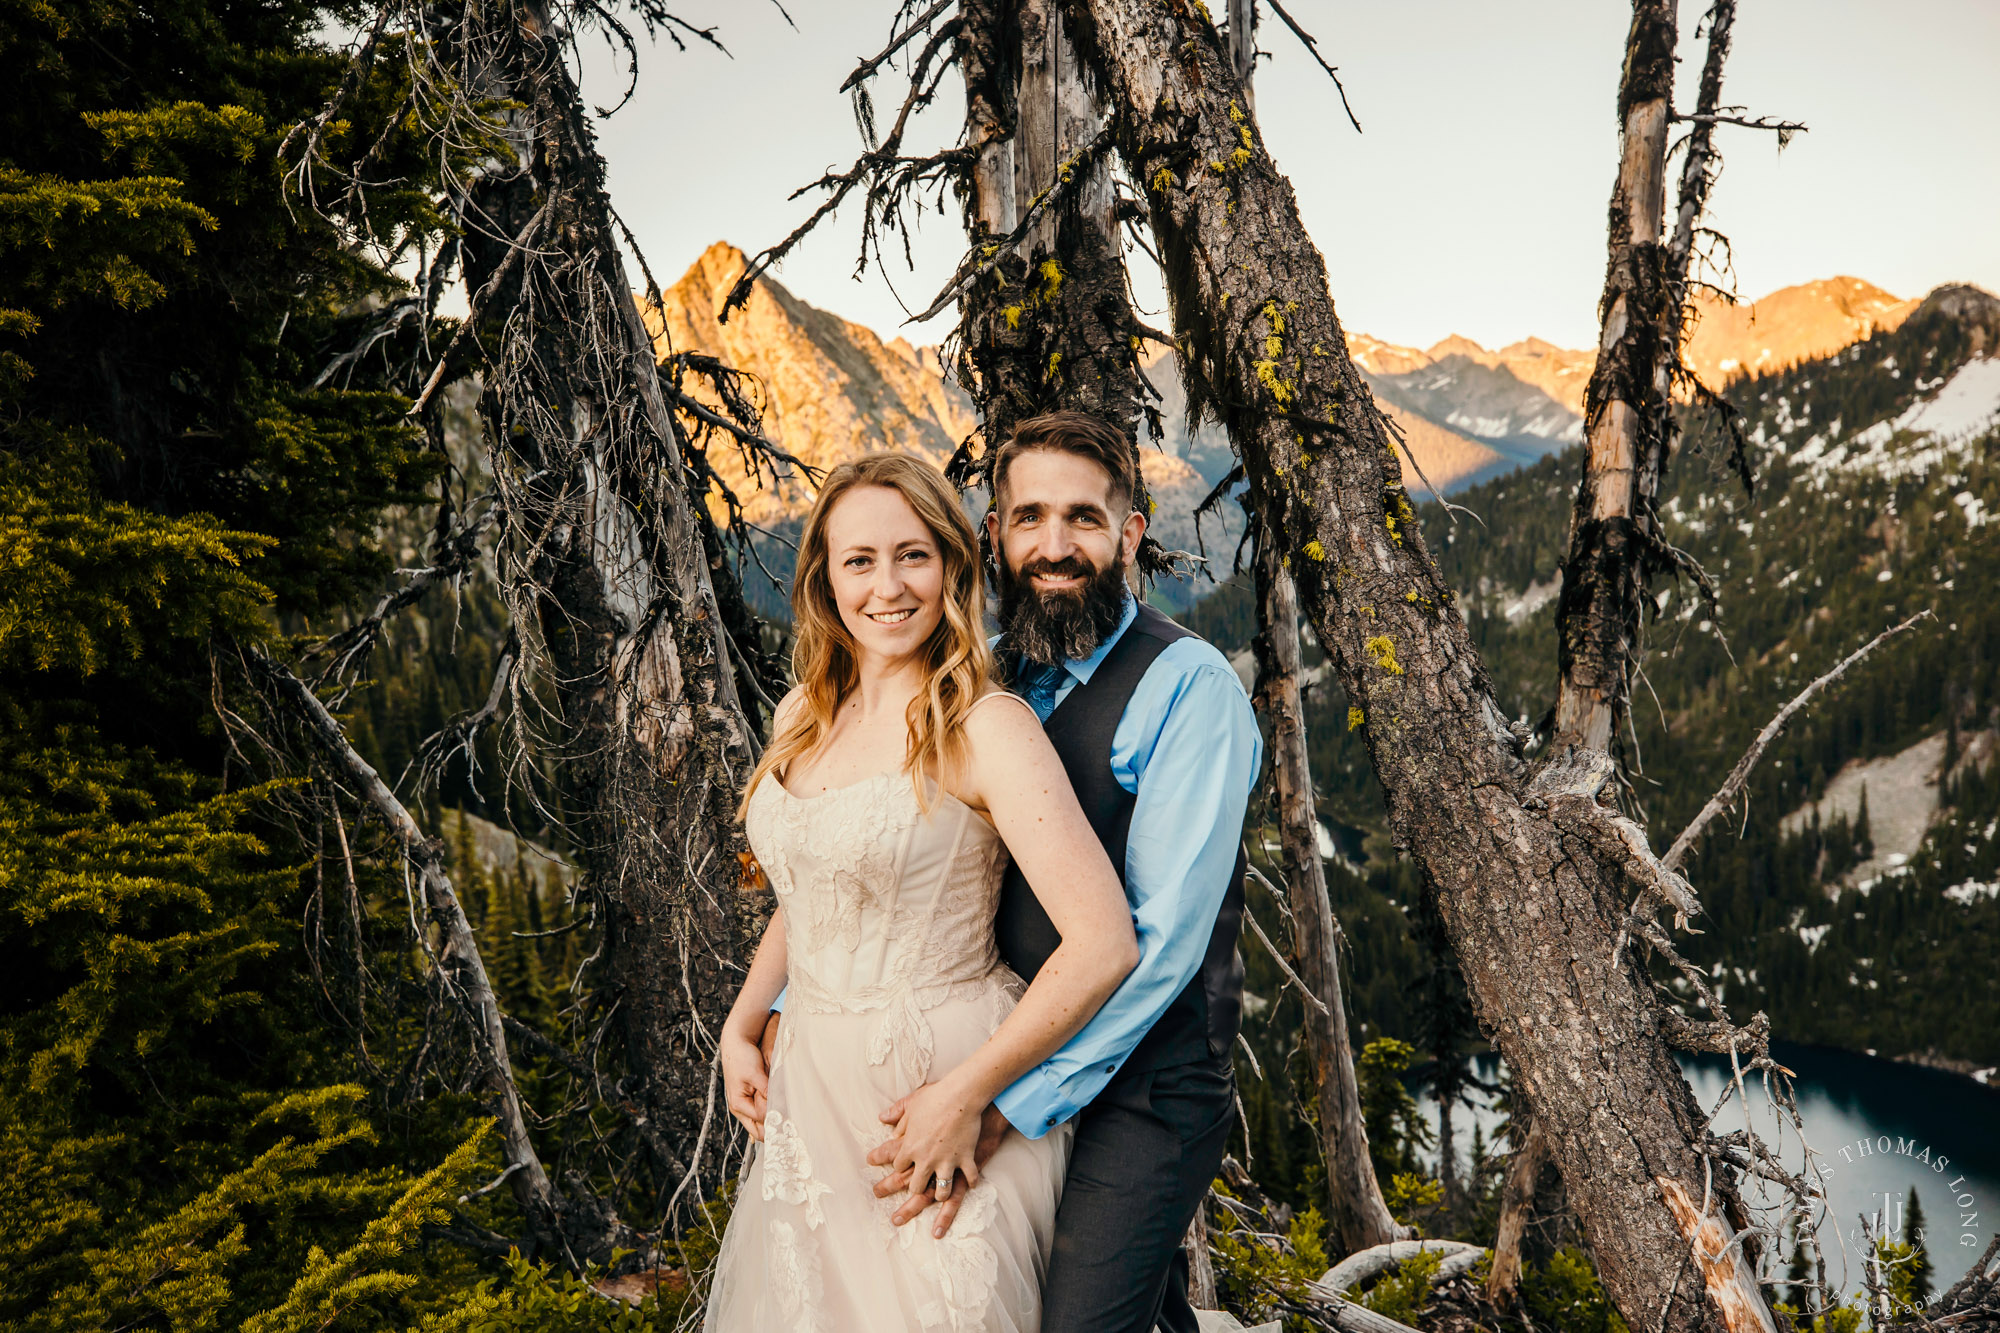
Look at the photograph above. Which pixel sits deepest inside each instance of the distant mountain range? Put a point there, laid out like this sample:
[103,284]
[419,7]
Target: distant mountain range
[1512,406]
[834,390]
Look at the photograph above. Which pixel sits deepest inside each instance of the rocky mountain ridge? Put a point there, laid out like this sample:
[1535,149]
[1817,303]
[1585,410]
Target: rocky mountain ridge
[834,390]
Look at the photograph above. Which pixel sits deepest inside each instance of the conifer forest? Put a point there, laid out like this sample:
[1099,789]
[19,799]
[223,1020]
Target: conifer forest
[393,577]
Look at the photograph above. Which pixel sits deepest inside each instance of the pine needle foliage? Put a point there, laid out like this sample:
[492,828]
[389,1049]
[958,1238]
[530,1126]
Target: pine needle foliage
[190,463]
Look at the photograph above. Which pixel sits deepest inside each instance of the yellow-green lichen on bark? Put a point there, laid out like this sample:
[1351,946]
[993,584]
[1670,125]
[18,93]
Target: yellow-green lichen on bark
[1398,512]
[1274,347]
[1383,650]
[1052,278]
[1314,552]
[1355,717]
[1240,156]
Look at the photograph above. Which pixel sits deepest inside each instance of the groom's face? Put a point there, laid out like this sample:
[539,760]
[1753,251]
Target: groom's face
[1063,541]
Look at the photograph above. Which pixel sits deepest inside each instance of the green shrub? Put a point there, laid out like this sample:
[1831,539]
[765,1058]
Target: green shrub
[1406,1289]
[1253,1270]
[1566,1295]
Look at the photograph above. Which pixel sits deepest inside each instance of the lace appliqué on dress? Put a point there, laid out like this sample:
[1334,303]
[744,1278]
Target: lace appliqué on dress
[788,1170]
[967,1267]
[905,1034]
[795,1280]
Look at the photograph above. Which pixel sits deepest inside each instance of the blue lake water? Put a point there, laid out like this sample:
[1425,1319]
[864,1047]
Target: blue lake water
[1879,1130]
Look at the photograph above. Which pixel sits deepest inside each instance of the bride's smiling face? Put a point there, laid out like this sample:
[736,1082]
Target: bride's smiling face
[886,572]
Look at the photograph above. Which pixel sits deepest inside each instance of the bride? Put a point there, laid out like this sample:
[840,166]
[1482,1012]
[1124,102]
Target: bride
[899,781]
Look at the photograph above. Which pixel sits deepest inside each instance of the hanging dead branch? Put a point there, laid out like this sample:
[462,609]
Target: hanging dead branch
[885,173]
[460,971]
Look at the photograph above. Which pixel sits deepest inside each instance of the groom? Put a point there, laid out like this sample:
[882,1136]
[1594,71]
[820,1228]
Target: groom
[1160,743]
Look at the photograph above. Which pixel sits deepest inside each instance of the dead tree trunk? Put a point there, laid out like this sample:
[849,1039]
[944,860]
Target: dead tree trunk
[1517,1199]
[1607,564]
[605,570]
[1356,1209]
[1616,546]
[1047,324]
[1359,1215]
[1534,877]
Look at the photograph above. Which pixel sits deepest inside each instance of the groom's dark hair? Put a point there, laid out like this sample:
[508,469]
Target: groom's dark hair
[1073,433]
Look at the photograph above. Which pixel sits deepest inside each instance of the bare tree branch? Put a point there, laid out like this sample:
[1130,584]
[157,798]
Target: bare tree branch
[461,970]
[1732,787]
[1312,46]
[866,69]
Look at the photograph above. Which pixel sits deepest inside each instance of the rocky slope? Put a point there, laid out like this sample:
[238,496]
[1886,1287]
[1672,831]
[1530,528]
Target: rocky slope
[833,390]
[1790,325]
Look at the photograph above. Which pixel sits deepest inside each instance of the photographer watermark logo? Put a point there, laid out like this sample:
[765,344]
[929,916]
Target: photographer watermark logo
[1957,1224]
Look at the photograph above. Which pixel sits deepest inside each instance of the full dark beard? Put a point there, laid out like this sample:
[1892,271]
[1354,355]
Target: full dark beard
[1057,627]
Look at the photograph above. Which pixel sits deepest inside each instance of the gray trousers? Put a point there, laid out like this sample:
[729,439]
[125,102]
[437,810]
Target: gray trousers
[1145,1152]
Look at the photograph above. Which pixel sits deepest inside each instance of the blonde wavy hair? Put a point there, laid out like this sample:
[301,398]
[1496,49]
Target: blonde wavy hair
[957,664]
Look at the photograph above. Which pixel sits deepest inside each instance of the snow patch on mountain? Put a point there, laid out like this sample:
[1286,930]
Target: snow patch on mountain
[1902,792]
[1930,432]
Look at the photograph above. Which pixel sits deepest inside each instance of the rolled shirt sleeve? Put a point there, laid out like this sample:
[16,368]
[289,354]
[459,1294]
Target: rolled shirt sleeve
[1188,750]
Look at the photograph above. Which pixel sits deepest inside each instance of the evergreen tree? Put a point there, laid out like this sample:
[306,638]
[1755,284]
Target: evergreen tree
[184,1140]
[1396,1129]
[1920,1268]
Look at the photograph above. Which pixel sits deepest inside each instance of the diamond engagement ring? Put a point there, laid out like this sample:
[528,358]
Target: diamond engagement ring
[944,1179]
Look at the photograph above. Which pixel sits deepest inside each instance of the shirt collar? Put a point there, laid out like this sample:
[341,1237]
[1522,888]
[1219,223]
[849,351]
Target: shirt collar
[1083,668]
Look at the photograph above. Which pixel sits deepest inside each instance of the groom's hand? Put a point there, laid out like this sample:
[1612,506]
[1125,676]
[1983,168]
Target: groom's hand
[993,1130]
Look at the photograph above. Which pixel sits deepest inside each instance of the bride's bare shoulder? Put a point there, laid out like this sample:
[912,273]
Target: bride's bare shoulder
[1000,725]
[788,708]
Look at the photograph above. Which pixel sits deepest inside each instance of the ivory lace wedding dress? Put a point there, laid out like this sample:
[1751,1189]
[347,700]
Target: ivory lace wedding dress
[894,979]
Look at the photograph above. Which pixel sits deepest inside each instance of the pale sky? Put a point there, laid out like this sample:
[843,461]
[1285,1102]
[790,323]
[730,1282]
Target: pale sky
[1474,202]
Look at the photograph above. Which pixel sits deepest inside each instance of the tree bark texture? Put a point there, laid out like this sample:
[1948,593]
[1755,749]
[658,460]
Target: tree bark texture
[1532,874]
[1614,543]
[607,573]
[1359,1215]
[1356,1209]
[1049,325]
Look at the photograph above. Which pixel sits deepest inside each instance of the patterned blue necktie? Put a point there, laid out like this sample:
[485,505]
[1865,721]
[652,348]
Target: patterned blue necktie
[1041,694]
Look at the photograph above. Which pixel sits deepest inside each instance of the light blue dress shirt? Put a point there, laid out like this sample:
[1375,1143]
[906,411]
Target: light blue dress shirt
[1187,748]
